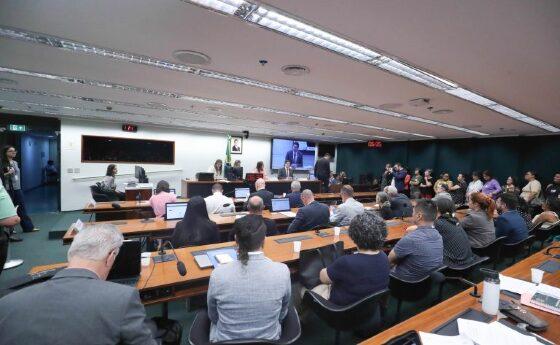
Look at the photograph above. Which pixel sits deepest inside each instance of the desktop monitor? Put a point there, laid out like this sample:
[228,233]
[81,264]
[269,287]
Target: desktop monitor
[205,176]
[175,210]
[127,262]
[238,173]
[242,193]
[252,177]
[280,204]
[140,174]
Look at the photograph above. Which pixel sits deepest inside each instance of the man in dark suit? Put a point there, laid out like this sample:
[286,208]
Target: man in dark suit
[399,174]
[294,155]
[286,172]
[265,195]
[255,207]
[295,195]
[77,305]
[400,203]
[312,214]
[323,170]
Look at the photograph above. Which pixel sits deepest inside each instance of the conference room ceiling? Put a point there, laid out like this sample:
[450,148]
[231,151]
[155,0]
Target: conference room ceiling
[507,51]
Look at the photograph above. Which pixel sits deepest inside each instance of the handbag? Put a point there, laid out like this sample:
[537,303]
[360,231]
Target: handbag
[312,261]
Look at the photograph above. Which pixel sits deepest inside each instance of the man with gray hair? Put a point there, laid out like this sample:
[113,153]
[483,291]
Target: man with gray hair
[295,195]
[343,214]
[311,215]
[266,196]
[400,203]
[255,206]
[77,304]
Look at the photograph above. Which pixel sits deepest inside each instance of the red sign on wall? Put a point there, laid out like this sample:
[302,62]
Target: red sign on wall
[374,144]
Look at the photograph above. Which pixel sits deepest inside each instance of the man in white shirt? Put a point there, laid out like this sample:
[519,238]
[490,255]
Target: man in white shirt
[215,202]
[345,212]
[475,185]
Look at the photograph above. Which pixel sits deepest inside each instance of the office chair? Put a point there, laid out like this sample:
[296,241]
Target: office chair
[491,250]
[514,249]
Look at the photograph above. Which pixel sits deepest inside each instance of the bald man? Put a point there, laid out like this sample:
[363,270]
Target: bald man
[266,196]
[313,213]
[255,207]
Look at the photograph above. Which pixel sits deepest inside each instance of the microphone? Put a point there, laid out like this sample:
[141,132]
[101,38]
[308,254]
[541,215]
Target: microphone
[181,268]
[549,249]
[116,205]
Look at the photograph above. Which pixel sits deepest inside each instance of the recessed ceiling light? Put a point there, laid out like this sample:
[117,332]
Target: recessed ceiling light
[295,70]
[8,81]
[157,105]
[442,111]
[390,105]
[192,57]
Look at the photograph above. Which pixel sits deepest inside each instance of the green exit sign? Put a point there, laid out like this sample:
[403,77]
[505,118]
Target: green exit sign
[17,128]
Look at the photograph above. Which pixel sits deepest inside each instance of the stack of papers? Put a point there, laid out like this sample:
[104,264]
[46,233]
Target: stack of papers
[516,285]
[480,333]
[288,214]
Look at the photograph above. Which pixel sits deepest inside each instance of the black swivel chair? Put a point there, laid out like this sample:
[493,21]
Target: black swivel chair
[543,234]
[491,250]
[200,331]
[513,250]
[365,316]
[464,271]
[99,195]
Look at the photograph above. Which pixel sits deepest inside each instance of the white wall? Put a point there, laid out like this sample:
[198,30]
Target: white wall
[194,152]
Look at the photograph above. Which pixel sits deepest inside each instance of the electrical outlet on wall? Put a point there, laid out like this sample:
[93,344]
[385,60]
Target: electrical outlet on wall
[70,170]
[76,170]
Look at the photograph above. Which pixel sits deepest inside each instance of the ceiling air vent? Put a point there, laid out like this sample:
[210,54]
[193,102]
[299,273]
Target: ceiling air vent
[295,70]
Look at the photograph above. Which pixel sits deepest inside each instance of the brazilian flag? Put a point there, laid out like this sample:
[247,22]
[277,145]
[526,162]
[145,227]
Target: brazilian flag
[228,149]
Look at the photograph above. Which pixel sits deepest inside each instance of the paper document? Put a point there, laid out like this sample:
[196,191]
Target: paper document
[436,339]
[516,285]
[288,214]
[493,333]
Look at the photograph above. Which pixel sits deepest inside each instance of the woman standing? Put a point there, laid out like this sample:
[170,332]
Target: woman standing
[458,190]
[427,185]
[415,182]
[532,190]
[12,182]
[108,184]
[491,186]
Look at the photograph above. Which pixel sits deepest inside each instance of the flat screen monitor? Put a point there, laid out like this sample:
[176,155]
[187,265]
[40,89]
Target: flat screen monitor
[127,262]
[238,173]
[300,153]
[242,193]
[252,177]
[280,204]
[175,210]
[127,150]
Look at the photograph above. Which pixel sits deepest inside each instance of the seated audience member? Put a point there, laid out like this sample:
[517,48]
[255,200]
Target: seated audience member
[295,195]
[551,212]
[196,228]
[313,213]
[266,196]
[532,189]
[442,193]
[509,223]
[444,179]
[216,203]
[260,170]
[108,184]
[415,182]
[343,214]
[523,210]
[332,179]
[420,251]
[491,186]
[427,185]
[383,205]
[553,189]
[217,169]
[249,297]
[255,207]
[475,186]
[510,187]
[400,204]
[355,276]
[287,172]
[162,197]
[459,190]
[341,178]
[478,222]
[77,305]
[456,248]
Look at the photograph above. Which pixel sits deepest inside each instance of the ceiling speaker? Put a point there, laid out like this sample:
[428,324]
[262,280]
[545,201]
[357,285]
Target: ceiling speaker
[191,57]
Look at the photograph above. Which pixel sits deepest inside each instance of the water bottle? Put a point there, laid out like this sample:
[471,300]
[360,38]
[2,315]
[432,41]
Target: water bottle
[490,291]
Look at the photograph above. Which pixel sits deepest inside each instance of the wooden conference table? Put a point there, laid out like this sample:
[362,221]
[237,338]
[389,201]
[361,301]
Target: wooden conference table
[448,309]
[162,283]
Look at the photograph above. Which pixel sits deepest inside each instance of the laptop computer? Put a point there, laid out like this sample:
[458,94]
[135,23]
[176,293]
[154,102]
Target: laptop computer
[175,210]
[242,193]
[126,269]
[280,205]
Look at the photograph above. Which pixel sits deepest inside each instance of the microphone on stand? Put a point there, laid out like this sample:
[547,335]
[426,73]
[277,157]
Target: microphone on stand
[181,268]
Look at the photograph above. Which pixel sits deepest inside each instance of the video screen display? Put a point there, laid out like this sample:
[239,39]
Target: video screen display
[127,150]
[300,153]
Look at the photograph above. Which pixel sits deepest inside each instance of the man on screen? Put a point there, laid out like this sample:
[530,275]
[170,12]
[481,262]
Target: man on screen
[295,156]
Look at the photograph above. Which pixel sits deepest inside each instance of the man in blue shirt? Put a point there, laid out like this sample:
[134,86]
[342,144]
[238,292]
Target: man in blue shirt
[510,223]
[420,251]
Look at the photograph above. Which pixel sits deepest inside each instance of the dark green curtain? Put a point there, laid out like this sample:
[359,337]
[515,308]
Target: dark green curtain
[502,156]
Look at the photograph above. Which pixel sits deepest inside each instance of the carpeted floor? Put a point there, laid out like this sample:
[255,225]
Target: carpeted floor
[37,249]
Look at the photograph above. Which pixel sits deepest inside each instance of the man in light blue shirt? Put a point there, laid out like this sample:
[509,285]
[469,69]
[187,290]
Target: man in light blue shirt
[345,212]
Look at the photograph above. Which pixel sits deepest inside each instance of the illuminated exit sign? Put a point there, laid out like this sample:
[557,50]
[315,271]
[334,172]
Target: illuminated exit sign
[17,128]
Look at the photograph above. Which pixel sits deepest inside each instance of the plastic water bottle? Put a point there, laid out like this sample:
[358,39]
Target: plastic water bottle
[490,291]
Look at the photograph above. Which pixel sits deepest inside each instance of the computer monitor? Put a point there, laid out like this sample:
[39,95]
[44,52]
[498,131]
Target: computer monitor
[311,176]
[205,176]
[140,174]
[127,262]
[175,210]
[252,177]
[280,204]
[242,193]
[238,173]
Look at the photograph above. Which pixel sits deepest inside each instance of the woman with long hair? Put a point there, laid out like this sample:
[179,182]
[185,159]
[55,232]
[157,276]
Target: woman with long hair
[12,182]
[491,186]
[260,169]
[108,184]
[479,222]
[217,169]
[511,186]
[426,186]
[196,228]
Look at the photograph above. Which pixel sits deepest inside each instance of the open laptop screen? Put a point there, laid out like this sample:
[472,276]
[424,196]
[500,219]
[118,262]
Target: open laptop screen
[242,193]
[127,262]
[281,204]
[175,210]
